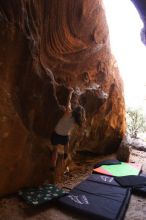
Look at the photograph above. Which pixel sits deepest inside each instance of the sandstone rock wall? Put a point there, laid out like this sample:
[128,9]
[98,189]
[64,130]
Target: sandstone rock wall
[46,47]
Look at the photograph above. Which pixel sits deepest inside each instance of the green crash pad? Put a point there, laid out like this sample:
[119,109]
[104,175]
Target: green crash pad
[39,195]
[123,169]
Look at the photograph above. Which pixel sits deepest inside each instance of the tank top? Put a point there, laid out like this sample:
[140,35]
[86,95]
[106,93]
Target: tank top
[65,125]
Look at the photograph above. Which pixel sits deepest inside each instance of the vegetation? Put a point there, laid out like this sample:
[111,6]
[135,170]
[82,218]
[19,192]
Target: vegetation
[136,122]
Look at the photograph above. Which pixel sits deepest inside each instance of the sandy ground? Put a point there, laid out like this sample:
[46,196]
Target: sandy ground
[12,208]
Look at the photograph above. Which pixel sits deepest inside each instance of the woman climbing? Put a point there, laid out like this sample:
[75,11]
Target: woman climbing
[61,134]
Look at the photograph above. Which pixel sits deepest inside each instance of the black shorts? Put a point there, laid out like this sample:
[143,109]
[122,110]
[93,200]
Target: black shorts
[59,139]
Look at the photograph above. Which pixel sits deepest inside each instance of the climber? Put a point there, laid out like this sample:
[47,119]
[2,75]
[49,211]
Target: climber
[62,131]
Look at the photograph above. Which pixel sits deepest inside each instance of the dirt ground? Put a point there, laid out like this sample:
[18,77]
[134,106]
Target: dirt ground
[12,208]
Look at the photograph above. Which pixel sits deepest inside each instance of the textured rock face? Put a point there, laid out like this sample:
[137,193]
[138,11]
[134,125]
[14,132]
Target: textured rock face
[46,47]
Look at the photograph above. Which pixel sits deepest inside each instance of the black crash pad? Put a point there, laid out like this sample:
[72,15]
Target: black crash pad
[99,197]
